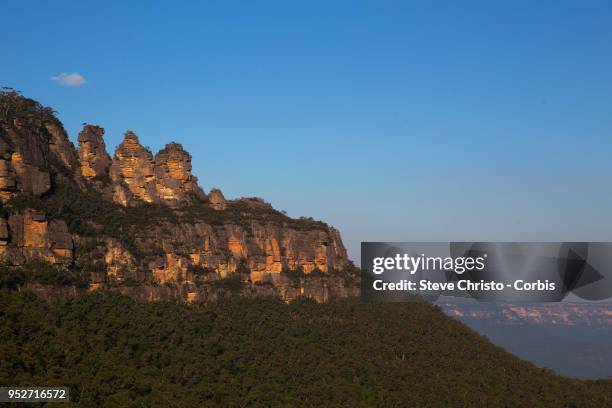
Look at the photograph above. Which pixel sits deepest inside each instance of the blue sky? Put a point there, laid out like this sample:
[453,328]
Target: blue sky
[393,121]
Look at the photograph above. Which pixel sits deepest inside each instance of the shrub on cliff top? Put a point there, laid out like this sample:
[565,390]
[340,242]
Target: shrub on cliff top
[231,283]
[16,107]
[11,278]
[199,270]
[243,212]
[39,271]
[293,273]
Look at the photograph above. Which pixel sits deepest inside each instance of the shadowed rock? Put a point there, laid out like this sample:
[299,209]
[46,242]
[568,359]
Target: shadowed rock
[217,200]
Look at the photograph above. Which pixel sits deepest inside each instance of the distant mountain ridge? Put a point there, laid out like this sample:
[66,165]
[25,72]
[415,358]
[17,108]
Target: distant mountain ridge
[572,338]
[76,216]
[562,313]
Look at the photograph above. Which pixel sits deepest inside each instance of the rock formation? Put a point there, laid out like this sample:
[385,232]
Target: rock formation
[175,185]
[132,173]
[23,160]
[137,177]
[217,200]
[140,219]
[60,146]
[93,159]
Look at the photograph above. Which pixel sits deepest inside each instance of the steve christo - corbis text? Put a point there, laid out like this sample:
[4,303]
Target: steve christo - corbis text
[459,265]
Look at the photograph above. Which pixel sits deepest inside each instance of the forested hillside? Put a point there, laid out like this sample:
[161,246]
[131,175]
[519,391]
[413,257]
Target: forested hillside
[263,352]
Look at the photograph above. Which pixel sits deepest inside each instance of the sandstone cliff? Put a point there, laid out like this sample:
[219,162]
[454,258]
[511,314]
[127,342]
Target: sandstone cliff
[142,220]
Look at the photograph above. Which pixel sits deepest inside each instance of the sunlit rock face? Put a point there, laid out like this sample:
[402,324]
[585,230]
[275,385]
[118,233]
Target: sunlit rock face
[132,173]
[31,236]
[24,165]
[18,176]
[174,183]
[31,148]
[137,177]
[267,248]
[197,239]
[35,152]
[93,160]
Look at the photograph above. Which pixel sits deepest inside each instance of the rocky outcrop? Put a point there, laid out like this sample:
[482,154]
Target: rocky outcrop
[60,147]
[33,144]
[217,200]
[93,159]
[174,183]
[137,177]
[187,240]
[132,173]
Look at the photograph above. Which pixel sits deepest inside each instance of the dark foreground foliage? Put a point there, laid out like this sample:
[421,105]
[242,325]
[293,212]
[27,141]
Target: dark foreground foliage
[112,351]
[42,272]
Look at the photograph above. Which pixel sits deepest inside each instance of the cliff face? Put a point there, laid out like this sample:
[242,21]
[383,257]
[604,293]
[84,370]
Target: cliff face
[142,220]
[24,152]
[30,235]
[266,248]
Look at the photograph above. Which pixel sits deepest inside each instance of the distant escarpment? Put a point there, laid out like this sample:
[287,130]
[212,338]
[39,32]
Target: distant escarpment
[77,219]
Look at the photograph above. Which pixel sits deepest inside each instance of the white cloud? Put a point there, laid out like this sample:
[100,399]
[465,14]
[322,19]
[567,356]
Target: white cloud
[74,79]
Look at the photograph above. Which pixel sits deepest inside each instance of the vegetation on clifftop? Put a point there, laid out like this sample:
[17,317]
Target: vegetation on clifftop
[16,107]
[39,271]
